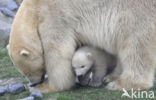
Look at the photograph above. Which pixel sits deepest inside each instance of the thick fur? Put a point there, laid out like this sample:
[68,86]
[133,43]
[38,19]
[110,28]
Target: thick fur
[25,48]
[87,60]
[125,28]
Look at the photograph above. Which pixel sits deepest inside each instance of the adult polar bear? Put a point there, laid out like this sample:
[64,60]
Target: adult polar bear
[125,28]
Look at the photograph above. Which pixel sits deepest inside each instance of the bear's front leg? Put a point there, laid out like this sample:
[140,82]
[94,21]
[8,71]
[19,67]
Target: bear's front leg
[59,48]
[137,62]
[44,88]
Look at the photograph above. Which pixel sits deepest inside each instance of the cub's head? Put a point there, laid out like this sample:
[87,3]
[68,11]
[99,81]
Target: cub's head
[82,62]
[28,62]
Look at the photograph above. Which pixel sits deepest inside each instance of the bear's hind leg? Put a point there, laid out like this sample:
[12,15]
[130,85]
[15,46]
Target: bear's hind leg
[137,63]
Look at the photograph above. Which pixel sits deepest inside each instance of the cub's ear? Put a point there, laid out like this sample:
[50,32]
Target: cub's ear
[24,53]
[89,55]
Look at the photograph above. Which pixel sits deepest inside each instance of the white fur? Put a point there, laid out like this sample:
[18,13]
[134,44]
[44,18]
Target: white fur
[81,63]
[124,28]
[92,59]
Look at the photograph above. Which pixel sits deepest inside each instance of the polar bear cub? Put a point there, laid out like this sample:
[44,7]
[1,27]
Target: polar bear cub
[91,65]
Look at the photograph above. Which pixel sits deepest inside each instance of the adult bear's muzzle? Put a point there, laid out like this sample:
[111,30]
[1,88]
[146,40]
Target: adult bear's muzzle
[40,82]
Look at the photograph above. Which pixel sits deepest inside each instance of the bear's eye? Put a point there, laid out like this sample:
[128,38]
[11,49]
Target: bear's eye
[82,66]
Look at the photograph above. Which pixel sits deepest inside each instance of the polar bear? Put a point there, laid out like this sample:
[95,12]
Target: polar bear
[91,65]
[125,28]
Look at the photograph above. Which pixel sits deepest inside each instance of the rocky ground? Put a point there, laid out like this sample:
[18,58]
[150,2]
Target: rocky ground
[9,80]
[8,9]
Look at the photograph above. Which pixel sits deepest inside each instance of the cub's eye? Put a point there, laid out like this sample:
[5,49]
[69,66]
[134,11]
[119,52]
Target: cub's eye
[82,66]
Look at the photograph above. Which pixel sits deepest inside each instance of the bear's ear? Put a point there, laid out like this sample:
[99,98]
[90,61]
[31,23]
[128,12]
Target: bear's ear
[89,55]
[24,53]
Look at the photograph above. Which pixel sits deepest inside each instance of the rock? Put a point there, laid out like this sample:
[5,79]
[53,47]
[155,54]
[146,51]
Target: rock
[18,1]
[28,98]
[11,5]
[6,19]
[2,4]
[4,37]
[7,12]
[37,94]
[4,1]
[16,88]
[5,27]
[4,33]
[3,90]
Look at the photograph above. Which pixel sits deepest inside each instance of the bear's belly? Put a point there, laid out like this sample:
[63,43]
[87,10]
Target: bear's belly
[100,34]
[95,24]
[99,40]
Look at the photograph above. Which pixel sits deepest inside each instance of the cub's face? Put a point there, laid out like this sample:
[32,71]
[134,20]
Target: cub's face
[30,64]
[81,63]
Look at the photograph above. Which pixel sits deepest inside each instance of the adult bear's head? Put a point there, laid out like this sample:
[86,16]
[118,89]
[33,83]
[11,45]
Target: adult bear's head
[25,48]
[28,62]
